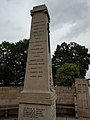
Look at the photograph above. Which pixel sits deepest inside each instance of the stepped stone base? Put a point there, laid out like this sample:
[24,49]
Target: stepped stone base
[37,106]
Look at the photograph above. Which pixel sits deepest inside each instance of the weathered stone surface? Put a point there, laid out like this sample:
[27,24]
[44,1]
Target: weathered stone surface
[82,94]
[38,69]
[8,100]
[9,96]
[37,100]
[65,95]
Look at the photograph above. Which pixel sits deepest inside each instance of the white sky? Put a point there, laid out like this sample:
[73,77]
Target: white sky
[70,21]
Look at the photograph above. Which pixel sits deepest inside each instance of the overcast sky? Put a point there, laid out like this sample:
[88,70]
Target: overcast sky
[70,21]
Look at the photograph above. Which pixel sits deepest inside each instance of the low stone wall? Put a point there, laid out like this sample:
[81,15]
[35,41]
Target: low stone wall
[9,101]
[9,96]
[65,101]
[65,95]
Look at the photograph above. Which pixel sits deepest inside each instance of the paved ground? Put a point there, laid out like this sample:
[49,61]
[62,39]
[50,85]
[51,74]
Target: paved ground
[64,118]
[58,118]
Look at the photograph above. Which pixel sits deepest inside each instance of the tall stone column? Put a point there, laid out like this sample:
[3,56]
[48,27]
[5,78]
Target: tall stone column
[38,98]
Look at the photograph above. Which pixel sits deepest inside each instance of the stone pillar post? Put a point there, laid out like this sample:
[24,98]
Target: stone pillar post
[82,96]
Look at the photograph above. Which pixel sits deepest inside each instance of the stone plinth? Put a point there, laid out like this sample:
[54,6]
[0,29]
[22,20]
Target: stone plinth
[37,100]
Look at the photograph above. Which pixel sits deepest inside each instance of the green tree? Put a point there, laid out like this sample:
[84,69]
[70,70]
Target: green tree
[13,62]
[66,74]
[6,62]
[71,53]
[20,52]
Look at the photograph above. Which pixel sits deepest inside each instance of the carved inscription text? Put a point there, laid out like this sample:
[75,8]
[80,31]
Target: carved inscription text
[33,112]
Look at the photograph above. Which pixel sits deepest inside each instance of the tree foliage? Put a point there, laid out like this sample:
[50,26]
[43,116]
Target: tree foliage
[13,62]
[66,74]
[71,53]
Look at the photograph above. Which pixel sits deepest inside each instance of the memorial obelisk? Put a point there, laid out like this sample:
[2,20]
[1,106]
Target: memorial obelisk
[38,98]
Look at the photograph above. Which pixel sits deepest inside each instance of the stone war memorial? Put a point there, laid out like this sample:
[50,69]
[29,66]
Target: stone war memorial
[38,99]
